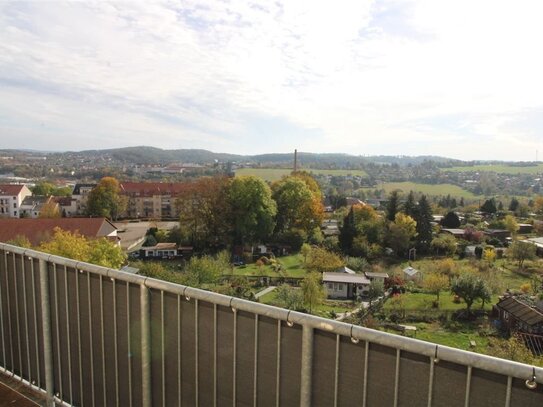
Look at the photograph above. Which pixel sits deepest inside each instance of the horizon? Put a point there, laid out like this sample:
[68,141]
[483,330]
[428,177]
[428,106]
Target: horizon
[393,78]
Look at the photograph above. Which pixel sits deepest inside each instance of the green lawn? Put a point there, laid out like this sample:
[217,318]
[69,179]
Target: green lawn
[428,189]
[324,310]
[274,174]
[435,333]
[292,267]
[423,301]
[501,168]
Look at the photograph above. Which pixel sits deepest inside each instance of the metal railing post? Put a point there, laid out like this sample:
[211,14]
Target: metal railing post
[145,346]
[46,332]
[307,366]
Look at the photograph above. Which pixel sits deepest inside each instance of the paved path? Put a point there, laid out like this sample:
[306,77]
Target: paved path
[265,291]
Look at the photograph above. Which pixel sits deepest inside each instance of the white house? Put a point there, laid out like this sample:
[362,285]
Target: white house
[345,285]
[11,198]
[160,250]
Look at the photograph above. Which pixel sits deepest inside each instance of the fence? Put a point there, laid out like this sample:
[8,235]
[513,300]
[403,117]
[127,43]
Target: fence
[91,336]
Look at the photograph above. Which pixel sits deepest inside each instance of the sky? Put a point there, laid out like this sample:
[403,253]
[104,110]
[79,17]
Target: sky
[455,78]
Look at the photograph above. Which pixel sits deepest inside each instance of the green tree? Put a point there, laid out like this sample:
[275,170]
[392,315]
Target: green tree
[375,290]
[205,270]
[252,209]
[521,251]
[105,253]
[450,220]
[444,244]
[489,206]
[312,290]
[305,251]
[410,205]
[289,297]
[298,206]
[400,233]
[424,221]
[470,288]
[513,205]
[510,349]
[393,205]
[105,199]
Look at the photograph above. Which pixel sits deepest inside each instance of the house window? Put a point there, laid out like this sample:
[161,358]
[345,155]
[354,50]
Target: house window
[330,286]
[14,205]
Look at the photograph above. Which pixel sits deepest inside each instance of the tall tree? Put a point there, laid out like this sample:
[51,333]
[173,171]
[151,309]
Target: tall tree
[489,206]
[253,209]
[204,214]
[313,291]
[298,204]
[424,220]
[105,199]
[400,233]
[410,205]
[513,205]
[393,205]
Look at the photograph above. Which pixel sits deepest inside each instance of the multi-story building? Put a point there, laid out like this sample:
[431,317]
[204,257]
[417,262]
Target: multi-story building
[152,199]
[81,196]
[32,206]
[11,198]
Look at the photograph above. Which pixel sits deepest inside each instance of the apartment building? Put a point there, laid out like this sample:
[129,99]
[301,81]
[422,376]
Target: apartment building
[11,198]
[152,199]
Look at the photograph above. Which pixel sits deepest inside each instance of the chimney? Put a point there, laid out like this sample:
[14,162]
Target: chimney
[295,160]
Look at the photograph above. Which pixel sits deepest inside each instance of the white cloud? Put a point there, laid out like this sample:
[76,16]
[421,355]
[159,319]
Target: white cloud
[388,77]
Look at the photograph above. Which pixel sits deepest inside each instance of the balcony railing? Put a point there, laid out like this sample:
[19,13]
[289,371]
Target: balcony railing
[90,336]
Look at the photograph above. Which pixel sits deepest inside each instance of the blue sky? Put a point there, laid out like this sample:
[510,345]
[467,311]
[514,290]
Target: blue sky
[454,78]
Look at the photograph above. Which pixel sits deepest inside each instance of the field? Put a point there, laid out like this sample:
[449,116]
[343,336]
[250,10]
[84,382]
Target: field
[274,174]
[501,169]
[292,267]
[428,189]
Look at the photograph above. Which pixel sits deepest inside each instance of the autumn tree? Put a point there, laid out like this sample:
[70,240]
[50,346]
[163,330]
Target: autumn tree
[521,251]
[21,241]
[252,209]
[446,267]
[361,227]
[401,232]
[106,200]
[298,205]
[322,260]
[511,225]
[470,288]
[435,283]
[312,290]
[49,210]
[204,214]
[75,246]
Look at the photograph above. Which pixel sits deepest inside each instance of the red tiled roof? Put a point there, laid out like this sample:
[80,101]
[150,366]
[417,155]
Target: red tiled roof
[10,189]
[38,230]
[153,188]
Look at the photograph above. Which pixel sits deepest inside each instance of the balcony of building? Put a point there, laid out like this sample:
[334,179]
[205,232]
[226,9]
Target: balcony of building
[90,336]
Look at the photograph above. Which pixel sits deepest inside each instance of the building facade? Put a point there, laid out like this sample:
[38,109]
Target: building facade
[11,198]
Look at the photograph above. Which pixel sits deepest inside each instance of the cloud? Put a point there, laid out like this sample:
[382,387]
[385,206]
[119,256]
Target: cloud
[364,77]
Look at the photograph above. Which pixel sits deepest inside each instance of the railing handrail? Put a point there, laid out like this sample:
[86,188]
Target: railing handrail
[442,352]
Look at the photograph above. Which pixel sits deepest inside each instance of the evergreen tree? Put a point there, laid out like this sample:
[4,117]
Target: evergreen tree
[513,206]
[393,206]
[489,206]
[424,220]
[410,206]
[450,220]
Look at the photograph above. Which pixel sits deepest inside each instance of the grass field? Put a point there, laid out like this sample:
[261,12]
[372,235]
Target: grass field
[501,169]
[292,267]
[324,309]
[428,189]
[274,174]
[423,301]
